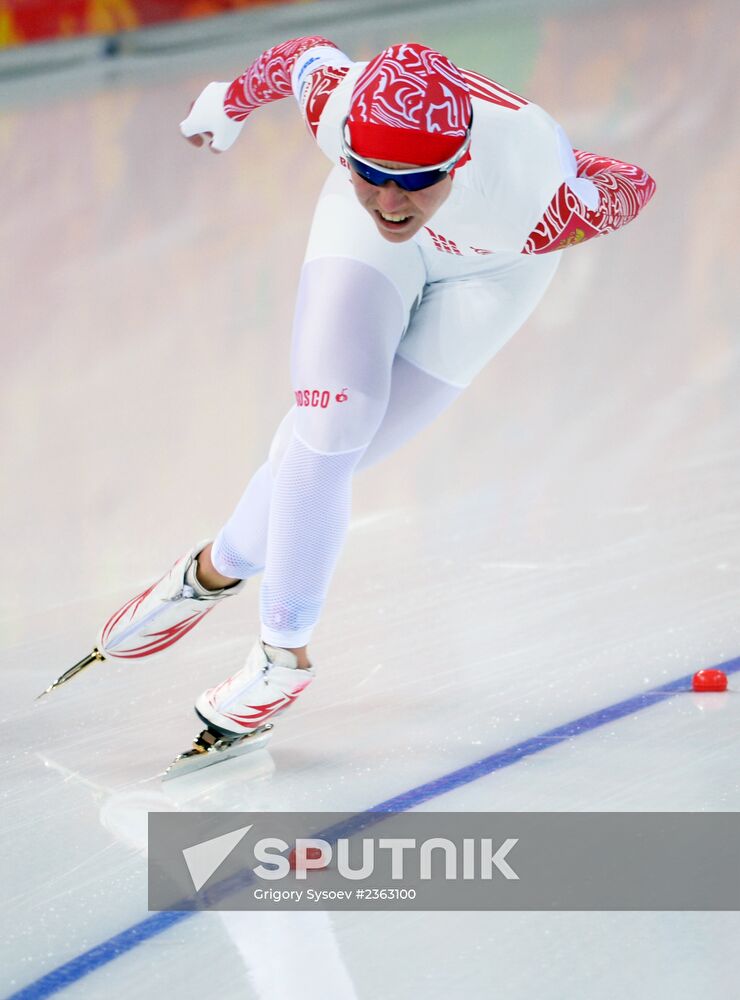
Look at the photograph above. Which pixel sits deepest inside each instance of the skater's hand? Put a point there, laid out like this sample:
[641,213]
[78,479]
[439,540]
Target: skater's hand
[207,122]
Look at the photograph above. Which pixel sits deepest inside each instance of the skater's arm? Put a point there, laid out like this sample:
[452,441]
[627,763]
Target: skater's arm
[291,67]
[624,190]
[270,76]
[604,195]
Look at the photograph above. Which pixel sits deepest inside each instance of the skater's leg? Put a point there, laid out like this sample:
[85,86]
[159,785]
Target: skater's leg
[239,549]
[349,321]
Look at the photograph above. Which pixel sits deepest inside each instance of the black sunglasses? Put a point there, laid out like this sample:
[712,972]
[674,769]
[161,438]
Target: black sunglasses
[409,178]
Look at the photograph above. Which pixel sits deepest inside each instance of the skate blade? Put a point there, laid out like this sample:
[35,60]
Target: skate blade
[73,671]
[223,749]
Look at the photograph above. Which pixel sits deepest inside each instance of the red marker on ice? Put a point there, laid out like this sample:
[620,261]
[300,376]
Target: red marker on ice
[709,680]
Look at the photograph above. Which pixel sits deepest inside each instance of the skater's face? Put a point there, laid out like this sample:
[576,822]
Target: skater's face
[399,214]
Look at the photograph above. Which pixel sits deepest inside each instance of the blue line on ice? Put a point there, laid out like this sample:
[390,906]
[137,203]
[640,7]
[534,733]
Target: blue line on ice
[80,966]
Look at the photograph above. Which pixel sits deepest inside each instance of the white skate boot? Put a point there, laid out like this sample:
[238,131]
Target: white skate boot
[155,619]
[165,612]
[237,711]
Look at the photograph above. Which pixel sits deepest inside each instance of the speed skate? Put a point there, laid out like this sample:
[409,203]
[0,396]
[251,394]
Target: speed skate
[153,620]
[211,747]
[237,713]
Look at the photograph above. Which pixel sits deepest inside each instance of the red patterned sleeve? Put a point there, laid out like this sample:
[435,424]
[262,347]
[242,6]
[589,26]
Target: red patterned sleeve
[269,77]
[623,191]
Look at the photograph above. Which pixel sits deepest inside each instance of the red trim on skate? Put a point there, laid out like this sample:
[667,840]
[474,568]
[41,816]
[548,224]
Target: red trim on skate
[171,635]
[264,712]
[134,604]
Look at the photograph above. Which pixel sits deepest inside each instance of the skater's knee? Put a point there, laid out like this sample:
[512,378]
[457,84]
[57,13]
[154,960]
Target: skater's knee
[332,421]
[340,430]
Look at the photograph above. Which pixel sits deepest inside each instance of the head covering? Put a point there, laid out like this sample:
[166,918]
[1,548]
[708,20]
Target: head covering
[409,105]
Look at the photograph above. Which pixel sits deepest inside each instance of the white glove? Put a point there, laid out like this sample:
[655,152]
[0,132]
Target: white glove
[207,115]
